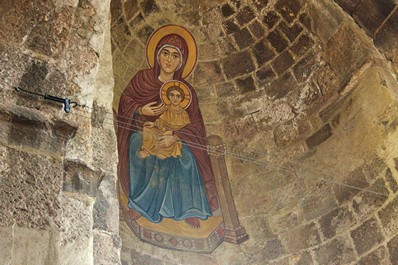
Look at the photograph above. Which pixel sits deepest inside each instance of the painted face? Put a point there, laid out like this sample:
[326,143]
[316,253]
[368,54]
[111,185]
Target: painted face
[175,97]
[169,59]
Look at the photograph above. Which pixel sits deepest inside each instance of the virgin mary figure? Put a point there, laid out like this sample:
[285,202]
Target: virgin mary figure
[181,188]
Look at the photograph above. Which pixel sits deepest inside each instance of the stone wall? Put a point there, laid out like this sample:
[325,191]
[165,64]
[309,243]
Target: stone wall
[57,171]
[310,94]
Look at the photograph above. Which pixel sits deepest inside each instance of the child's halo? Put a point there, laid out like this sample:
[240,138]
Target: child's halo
[163,93]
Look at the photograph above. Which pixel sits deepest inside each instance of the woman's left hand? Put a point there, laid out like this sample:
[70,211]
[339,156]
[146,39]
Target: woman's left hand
[167,140]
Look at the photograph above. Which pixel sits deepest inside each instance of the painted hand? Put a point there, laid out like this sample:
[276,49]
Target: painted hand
[151,109]
[167,141]
[149,124]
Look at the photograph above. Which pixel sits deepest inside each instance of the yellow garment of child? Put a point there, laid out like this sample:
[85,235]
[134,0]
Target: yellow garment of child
[167,123]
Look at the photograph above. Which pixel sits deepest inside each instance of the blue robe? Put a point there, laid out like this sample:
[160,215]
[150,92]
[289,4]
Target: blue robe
[171,187]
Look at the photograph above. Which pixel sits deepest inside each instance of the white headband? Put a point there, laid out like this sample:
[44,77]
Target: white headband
[171,46]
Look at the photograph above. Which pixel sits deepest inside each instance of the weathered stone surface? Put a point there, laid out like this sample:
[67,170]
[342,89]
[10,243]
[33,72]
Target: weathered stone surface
[51,37]
[370,14]
[365,203]
[305,67]
[80,178]
[289,9]
[367,236]
[257,29]
[207,73]
[244,16]
[243,38]
[302,45]
[385,37]
[337,221]
[262,53]
[208,51]
[243,59]
[277,40]
[246,84]
[315,20]
[337,251]
[230,26]
[144,32]
[270,19]
[393,249]
[301,238]
[319,137]
[226,90]
[291,32]
[130,8]
[22,245]
[281,86]
[356,179]
[374,168]
[76,230]
[272,250]
[379,256]
[30,189]
[338,105]
[227,10]
[282,62]
[348,5]
[392,182]
[106,206]
[106,249]
[388,217]
[265,74]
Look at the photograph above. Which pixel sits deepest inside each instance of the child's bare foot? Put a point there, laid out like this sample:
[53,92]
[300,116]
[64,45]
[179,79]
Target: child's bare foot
[193,222]
[143,154]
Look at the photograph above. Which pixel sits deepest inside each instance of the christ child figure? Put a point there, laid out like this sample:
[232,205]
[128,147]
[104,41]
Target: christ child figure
[176,96]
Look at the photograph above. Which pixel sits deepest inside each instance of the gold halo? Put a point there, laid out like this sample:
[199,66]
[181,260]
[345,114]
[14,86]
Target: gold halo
[173,29]
[163,93]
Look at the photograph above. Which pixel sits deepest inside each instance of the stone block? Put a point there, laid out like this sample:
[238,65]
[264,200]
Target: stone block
[262,53]
[106,206]
[315,20]
[149,7]
[302,45]
[144,32]
[319,137]
[318,203]
[306,66]
[289,9]
[365,203]
[244,16]
[291,32]
[116,10]
[51,37]
[392,182]
[31,246]
[243,59]
[257,29]
[30,190]
[130,9]
[386,36]
[348,5]
[20,17]
[272,250]
[282,62]
[207,73]
[393,249]
[367,235]
[120,33]
[301,238]
[374,168]
[245,85]
[337,106]
[356,179]
[243,38]
[277,40]
[106,249]
[281,86]
[346,44]
[226,90]
[230,26]
[208,51]
[270,19]
[227,10]
[226,46]
[379,256]
[265,74]
[337,221]
[370,14]
[336,251]
[260,4]
[389,217]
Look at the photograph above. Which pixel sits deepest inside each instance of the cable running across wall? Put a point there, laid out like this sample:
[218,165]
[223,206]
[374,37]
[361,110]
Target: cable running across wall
[195,145]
